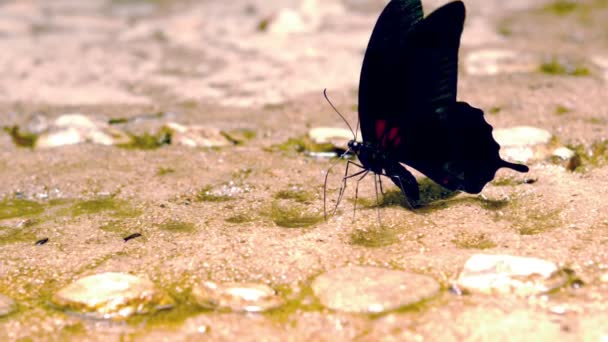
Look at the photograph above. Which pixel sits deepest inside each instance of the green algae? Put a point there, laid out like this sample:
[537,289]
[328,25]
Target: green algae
[239,136]
[115,226]
[473,241]
[178,226]
[297,300]
[293,216]
[10,235]
[557,67]
[299,196]
[114,207]
[591,156]
[562,7]
[495,110]
[374,236]
[10,208]
[148,141]
[162,171]
[561,110]
[239,218]
[505,181]
[21,139]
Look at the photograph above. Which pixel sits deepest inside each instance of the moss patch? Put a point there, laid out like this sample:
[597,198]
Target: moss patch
[178,226]
[473,241]
[149,141]
[374,236]
[239,136]
[162,171]
[293,216]
[561,7]
[239,218]
[557,67]
[110,205]
[10,208]
[9,235]
[299,196]
[595,155]
[22,139]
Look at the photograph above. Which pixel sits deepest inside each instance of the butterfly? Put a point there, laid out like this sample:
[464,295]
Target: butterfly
[408,110]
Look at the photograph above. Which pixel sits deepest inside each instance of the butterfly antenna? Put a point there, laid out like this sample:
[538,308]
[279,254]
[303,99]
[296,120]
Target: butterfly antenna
[357,131]
[342,116]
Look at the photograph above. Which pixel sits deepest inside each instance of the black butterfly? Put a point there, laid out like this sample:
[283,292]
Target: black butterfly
[408,110]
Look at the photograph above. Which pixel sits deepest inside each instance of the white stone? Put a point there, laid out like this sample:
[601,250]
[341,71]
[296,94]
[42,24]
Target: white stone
[245,297]
[111,296]
[196,136]
[506,274]
[372,289]
[70,129]
[520,136]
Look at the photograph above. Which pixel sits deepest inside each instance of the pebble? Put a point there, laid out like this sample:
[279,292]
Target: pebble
[336,136]
[522,143]
[602,62]
[371,289]
[111,295]
[604,278]
[196,136]
[7,305]
[567,158]
[238,297]
[506,274]
[489,62]
[70,129]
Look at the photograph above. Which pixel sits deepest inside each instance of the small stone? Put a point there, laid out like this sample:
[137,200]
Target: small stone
[604,278]
[7,305]
[70,129]
[498,61]
[336,136]
[372,289]
[239,297]
[567,158]
[602,62]
[196,136]
[506,274]
[111,296]
[522,143]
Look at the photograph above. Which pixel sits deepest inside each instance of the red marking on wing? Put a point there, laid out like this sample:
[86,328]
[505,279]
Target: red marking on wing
[446,180]
[392,138]
[397,141]
[392,133]
[380,126]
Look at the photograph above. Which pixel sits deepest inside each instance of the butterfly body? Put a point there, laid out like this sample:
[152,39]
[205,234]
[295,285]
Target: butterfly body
[407,104]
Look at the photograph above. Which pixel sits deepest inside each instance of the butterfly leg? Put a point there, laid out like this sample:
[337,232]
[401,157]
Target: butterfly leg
[364,172]
[406,182]
[346,177]
[377,176]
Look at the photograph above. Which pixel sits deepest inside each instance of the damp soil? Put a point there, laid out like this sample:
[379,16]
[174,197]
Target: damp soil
[254,211]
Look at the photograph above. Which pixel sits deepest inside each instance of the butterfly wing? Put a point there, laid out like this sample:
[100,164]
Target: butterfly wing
[407,98]
[383,83]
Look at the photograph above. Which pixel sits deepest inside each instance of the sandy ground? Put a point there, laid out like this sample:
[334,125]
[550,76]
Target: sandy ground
[220,214]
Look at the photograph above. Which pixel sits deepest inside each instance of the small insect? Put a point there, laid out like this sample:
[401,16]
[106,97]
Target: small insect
[132,236]
[408,111]
[42,241]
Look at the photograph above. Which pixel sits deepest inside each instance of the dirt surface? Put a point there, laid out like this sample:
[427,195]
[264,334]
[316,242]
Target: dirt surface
[253,212]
